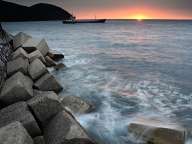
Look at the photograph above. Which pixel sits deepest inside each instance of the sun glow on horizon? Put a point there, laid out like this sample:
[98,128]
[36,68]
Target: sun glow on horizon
[139,17]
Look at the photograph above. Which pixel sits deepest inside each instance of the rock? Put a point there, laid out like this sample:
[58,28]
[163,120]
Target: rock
[20,52]
[20,112]
[76,104]
[39,140]
[78,141]
[15,133]
[63,127]
[54,55]
[37,69]
[59,66]
[49,62]
[17,88]
[45,106]
[43,47]
[35,44]
[48,83]
[156,133]
[20,39]
[36,54]
[17,65]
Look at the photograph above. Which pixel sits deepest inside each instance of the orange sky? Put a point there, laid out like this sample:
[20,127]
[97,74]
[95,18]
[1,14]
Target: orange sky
[134,13]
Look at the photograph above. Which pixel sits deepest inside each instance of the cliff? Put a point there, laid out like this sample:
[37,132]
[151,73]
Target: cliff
[39,12]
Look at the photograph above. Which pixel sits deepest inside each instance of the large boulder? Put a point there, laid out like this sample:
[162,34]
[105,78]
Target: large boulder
[37,69]
[20,39]
[45,106]
[36,44]
[48,83]
[17,88]
[55,55]
[76,104]
[20,112]
[157,133]
[63,127]
[49,62]
[16,65]
[15,133]
[20,52]
[36,54]
[39,140]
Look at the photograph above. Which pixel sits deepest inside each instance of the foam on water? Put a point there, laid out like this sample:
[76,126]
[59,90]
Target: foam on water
[127,69]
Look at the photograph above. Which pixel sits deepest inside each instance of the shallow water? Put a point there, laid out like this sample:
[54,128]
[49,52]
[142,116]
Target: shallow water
[127,69]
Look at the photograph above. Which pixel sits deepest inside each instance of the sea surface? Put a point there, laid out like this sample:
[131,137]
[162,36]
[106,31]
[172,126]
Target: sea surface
[128,69]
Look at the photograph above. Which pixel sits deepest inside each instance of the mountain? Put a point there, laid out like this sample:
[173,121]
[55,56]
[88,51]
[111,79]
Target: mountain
[39,12]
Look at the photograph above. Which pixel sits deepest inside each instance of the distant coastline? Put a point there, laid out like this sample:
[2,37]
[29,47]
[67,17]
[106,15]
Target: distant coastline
[11,12]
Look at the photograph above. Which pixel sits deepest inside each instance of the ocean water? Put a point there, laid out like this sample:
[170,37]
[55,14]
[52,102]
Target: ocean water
[127,69]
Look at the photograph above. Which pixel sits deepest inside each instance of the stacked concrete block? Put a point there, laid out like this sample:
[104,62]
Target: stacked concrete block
[36,54]
[20,112]
[20,39]
[17,88]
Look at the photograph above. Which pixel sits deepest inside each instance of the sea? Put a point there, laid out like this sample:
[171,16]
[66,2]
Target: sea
[127,69]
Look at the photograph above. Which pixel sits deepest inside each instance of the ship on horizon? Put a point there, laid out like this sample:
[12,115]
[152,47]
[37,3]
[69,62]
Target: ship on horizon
[73,20]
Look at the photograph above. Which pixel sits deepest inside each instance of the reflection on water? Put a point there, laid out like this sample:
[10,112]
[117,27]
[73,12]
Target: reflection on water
[127,69]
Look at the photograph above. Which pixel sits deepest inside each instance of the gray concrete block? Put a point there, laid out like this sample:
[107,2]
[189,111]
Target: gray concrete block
[16,65]
[20,39]
[155,132]
[48,83]
[37,69]
[17,88]
[45,105]
[49,62]
[63,127]
[36,44]
[20,52]
[77,105]
[55,55]
[20,112]
[39,140]
[36,54]
[15,133]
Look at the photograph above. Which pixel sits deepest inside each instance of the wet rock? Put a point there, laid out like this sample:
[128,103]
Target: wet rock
[59,66]
[15,133]
[156,133]
[48,83]
[45,105]
[76,104]
[20,52]
[49,62]
[63,127]
[36,54]
[37,69]
[54,55]
[20,112]
[17,88]
[39,140]
[17,65]
[20,39]
[36,44]
[78,141]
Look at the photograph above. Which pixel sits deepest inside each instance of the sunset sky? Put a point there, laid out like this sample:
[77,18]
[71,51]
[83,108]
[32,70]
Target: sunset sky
[122,9]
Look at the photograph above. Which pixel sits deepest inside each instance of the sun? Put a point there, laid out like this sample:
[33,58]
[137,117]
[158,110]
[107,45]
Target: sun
[139,17]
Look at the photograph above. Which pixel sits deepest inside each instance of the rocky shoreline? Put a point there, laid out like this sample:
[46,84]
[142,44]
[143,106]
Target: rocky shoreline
[31,110]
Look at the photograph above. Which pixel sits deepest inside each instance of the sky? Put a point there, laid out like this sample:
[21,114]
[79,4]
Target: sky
[122,9]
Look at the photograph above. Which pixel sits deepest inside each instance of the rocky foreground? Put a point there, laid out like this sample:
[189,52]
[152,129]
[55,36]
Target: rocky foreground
[31,112]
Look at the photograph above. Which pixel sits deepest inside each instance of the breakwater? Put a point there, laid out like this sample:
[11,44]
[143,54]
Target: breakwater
[31,110]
